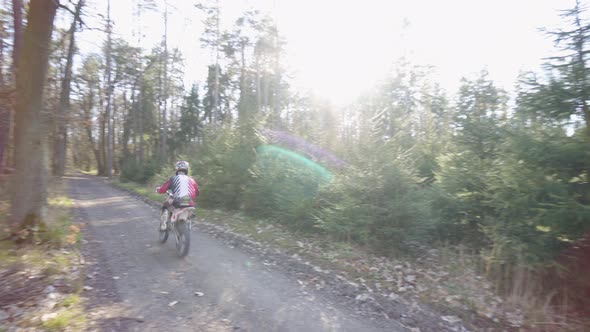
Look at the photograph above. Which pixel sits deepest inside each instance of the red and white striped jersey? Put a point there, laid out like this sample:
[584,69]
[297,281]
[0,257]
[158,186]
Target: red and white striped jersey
[181,186]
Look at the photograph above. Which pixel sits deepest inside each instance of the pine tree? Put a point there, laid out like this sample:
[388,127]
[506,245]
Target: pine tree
[190,118]
[465,171]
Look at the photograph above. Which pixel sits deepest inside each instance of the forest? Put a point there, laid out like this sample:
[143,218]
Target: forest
[405,168]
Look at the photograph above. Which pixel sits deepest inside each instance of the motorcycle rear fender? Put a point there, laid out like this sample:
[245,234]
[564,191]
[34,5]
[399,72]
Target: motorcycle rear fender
[182,214]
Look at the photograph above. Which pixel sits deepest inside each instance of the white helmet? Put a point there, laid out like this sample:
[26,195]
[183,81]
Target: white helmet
[181,166]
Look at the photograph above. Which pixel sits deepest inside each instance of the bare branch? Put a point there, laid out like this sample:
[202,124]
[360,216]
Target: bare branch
[66,8]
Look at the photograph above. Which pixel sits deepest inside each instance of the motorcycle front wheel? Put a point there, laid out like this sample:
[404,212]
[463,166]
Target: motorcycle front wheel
[183,238]
[163,234]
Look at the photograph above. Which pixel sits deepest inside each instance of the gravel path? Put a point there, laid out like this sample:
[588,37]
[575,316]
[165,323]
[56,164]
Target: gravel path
[135,284]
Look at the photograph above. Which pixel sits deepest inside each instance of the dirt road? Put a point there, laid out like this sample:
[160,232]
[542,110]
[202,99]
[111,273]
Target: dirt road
[136,284]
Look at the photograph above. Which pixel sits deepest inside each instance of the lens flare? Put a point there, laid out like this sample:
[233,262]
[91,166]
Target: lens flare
[294,158]
[299,144]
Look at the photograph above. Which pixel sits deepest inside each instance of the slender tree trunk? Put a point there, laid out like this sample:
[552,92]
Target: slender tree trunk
[164,143]
[17,9]
[88,128]
[126,125]
[29,183]
[266,92]
[258,86]
[2,47]
[277,89]
[102,145]
[109,92]
[17,12]
[135,102]
[5,121]
[216,88]
[113,136]
[6,109]
[64,99]
[140,116]
[242,102]
[134,118]
[102,131]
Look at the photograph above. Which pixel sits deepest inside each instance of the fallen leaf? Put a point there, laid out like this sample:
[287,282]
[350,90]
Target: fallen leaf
[410,278]
[451,319]
[48,316]
[362,297]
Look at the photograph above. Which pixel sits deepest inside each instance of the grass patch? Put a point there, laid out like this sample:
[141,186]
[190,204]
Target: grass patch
[8,254]
[72,318]
[71,300]
[90,172]
[60,201]
[59,231]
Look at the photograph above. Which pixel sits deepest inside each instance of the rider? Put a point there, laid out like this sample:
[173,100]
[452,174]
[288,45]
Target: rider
[183,187]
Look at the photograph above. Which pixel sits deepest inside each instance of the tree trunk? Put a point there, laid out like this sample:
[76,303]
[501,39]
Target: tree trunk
[5,99]
[242,102]
[2,46]
[124,141]
[88,106]
[17,11]
[29,182]
[102,144]
[258,87]
[5,121]
[277,89]
[109,161]
[113,136]
[216,88]
[140,116]
[164,142]
[134,116]
[5,109]
[64,100]
[266,91]
[88,127]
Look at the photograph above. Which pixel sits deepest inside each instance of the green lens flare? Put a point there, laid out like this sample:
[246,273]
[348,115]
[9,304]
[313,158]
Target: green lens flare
[295,158]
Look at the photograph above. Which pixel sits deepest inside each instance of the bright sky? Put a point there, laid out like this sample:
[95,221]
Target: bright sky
[339,49]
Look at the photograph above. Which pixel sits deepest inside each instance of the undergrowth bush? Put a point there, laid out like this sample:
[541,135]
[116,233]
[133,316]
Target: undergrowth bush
[381,204]
[283,189]
[221,165]
[132,170]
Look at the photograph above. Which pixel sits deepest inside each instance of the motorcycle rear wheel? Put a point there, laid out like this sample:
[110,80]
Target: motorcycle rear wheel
[183,238]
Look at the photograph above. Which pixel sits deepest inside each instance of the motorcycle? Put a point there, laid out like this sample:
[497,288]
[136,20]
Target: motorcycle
[179,223]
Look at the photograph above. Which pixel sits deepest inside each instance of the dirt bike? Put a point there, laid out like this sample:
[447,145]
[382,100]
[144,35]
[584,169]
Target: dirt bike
[179,222]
